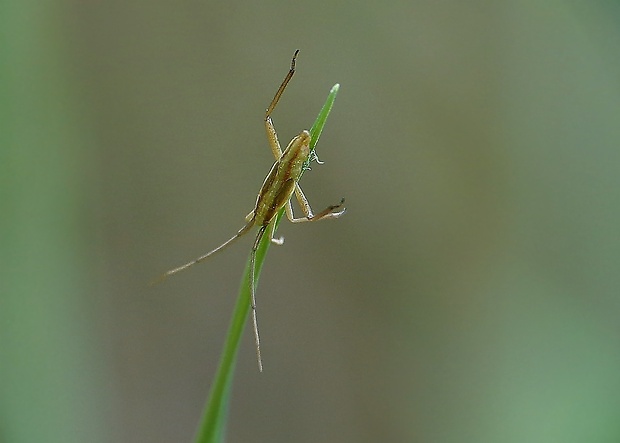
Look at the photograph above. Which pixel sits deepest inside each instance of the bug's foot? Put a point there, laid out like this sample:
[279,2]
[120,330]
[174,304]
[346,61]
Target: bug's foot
[278,241]
[338,213]
[329,212]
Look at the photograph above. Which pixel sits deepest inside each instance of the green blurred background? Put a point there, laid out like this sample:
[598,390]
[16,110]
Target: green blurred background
[470,294]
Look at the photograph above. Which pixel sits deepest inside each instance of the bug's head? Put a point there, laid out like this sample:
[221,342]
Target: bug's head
[298,150]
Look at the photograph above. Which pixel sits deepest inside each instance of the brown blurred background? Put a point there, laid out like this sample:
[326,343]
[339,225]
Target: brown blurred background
[470,294]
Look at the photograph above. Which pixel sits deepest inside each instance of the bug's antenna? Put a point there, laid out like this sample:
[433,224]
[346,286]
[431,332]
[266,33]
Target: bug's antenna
[167,274]
[259,236]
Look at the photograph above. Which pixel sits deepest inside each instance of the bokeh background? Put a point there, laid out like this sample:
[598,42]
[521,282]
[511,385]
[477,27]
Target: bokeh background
[470,294]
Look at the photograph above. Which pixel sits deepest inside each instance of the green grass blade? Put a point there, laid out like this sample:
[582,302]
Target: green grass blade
[212,426]
[319,123]
[215,414]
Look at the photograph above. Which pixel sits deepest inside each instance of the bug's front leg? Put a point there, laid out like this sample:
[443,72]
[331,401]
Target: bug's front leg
[272,136]
[326,213]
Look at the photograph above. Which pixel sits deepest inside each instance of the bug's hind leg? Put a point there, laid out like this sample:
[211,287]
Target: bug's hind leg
[259,236]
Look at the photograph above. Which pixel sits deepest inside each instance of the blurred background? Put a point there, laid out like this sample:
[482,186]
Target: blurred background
[470,294]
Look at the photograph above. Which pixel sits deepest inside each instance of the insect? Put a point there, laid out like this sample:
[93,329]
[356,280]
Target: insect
[276,192]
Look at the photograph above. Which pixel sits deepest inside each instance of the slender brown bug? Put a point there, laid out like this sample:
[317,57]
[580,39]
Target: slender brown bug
[278,188]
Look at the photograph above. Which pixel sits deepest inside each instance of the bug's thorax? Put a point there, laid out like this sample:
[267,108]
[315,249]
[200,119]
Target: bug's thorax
[280,183]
